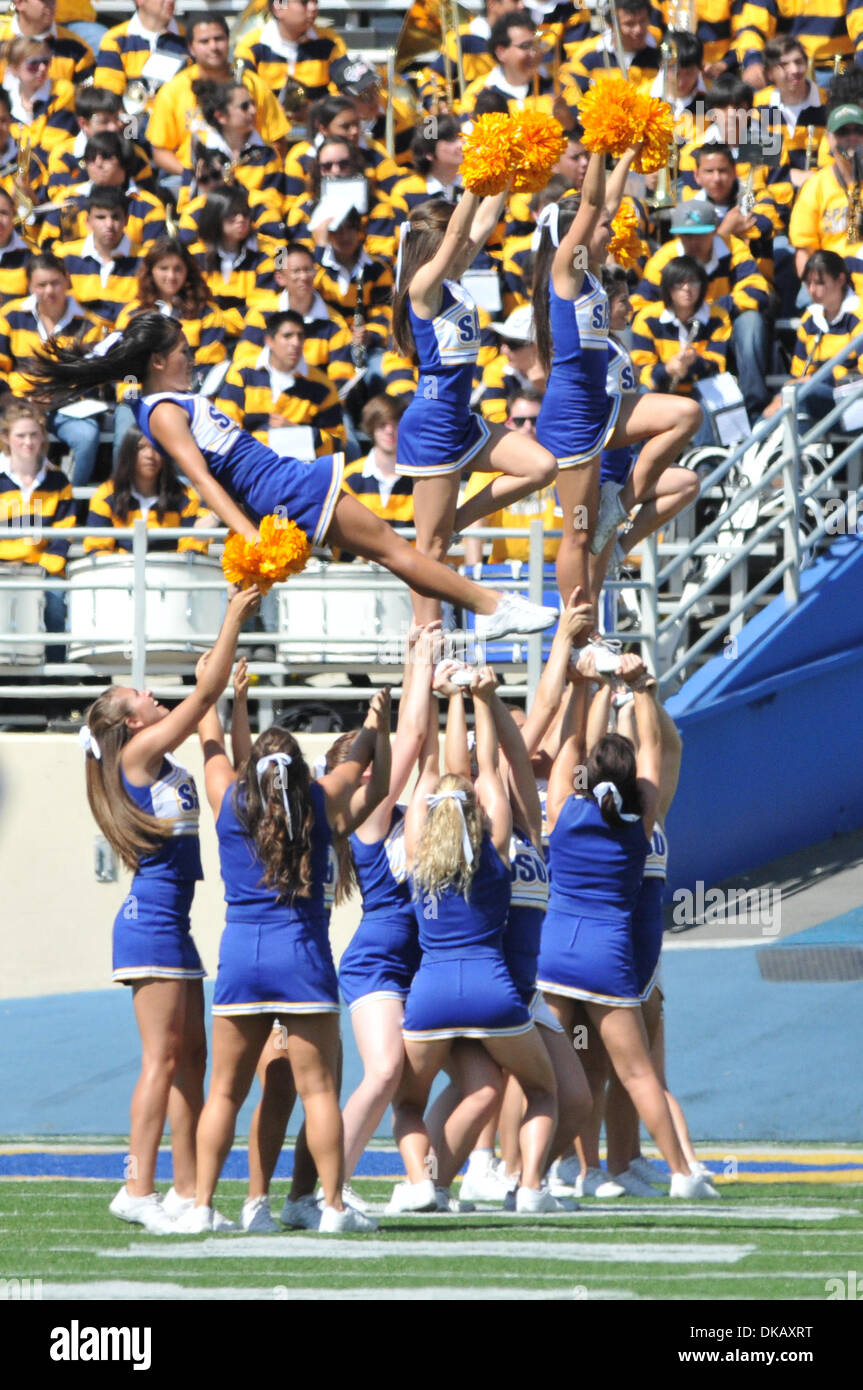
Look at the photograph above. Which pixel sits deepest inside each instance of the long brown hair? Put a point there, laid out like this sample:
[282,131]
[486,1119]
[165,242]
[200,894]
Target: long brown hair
[346,875]
[541,272]
[613,760]
[440,859]
[286,857]
[193,297]
[427,223]
[130,832]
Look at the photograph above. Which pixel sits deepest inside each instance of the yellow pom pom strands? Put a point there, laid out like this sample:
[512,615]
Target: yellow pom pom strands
[520,150]
[487,165]
[626,247]
[616,116]
[283,549]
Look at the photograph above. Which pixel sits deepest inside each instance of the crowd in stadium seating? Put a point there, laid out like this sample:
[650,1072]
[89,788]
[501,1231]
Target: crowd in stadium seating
[251,195]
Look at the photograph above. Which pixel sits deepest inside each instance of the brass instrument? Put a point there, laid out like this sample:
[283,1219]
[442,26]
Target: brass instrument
[746,197]
[665,193]
[608,17]
[136,98]
[811,147]
[855,197]
[683,16]
[24,203]
[549,45]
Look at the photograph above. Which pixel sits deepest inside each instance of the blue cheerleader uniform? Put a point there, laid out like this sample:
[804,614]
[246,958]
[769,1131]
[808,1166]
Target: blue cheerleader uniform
[152,936]
[529,878]
[463,988]
[274,957]
[647,926]
[257,479]
[384,952]
[577,417]
[616,464]
[439,433]
[596,872]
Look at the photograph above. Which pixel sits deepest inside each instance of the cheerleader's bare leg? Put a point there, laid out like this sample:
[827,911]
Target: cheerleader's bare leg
[524,467]
[313,1049]
[663,425]
[435,503]
[237,1045]
[480,1088]
[527,1059]
[377,1025]
[160,1012]
[423,1061]
[269,1122]
[578,492]
[186,1098]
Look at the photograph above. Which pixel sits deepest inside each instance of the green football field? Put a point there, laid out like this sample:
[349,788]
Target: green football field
[762,1241]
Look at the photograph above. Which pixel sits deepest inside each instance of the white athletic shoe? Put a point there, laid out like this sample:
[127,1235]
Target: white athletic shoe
[484,1184]
[528,1199]
[635,1186]
[412,1196]
[174,1205]
[514,614]
[345,1223]
[353,1199]
[649,1172]
[610,515]
[202,1219]
[595,1183]
[701,1170]
[257,1217]
[447,1202]
[690,1188]
[143,1211]
[563,1173]
[302,1215]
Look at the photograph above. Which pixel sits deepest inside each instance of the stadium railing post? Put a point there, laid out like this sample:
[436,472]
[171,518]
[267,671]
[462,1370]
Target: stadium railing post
[791,493]
[535,562]
[139,633]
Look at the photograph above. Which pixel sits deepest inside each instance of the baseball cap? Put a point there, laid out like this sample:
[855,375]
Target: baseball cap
[695,216]
[518,326]
[353,76]
[844,115]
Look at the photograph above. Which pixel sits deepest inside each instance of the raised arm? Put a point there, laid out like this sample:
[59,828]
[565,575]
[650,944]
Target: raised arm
[566,278]
[575,622]
[485,220]
[648,756]
[170,426]
[426,784]
[571,755]
[490,790]
[448,263]
[218,772]
[616,182]
[350,800]
[241,734]
[142,756]
[597,716]
[517,771]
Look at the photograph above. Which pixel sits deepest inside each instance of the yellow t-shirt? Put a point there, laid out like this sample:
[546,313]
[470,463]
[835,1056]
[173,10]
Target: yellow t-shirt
[537,506]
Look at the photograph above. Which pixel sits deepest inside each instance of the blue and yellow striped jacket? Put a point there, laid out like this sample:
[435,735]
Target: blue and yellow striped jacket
[14,258]
[71,58]
[360,481]
[102,514]
[260,169]
[264,52]
[51,505]
[100,288]
[820,340]
[239,283]
[248,396]
[327,344]
[734,280]
[656,338]
[368,290]
[22,333]
[67,220]
[66,169]
[818,25]
[124,53]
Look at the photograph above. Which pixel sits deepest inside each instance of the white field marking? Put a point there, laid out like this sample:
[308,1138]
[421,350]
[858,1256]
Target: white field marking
[742,1211]
[740,943]
[305,1247]
[121,1291]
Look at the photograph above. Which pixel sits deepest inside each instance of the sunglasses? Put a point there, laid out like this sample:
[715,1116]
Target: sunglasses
[526,46]
[245,106]
[34,64]
[327,164]
[519,420]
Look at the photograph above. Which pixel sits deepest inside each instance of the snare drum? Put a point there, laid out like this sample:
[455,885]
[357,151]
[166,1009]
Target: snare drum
[182,618]
[21,610]
[364,605]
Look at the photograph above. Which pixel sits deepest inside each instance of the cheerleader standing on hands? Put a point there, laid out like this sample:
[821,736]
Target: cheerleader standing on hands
[436,320]
[146,806]
[242,480]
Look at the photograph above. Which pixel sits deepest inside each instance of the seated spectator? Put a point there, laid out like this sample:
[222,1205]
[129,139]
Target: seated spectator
[373,479]
[734,282]
[516,71]
[834,317]
[337,161]
[103,266]
[523,414]
[729,104]
[793,103]
[49,310]
[337,117]
[355,79]
[14,252]
[238,271]
[357,285]
[96,111]
[640,49]
[145,487]
[71,60]
[718,184]
[516,369]
[32,491]
[290,48]
[107,161]
[679,344]
[227,139]
[148,48]
[437,154]
[42,110]
[281,389]
[328,339]
[689,89]
[268,226]
[175,109]
[820,216]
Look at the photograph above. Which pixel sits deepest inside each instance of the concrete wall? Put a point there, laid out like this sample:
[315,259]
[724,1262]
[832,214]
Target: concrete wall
[55,928]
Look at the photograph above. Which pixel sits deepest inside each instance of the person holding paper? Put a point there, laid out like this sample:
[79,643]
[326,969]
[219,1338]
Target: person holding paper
[337,116]
[281,395]
[148,48]
[49,310]
[339,187]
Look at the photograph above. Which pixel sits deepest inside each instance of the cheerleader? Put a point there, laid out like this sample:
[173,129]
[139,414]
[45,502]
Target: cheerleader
[578,419]
[457,840]
[275,825]
[242,480]
[598,846]
[146,806]
[436,320]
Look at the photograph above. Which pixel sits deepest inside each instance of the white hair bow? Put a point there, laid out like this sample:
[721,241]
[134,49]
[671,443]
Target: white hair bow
[88,742]
[282,762]
[405,233]
[599,792]
[550,217]
[459,797]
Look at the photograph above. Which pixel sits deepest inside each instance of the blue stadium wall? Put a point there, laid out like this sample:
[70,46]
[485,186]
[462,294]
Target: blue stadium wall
[773,735]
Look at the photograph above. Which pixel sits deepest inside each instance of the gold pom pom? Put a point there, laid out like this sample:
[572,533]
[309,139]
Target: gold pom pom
[626,247]
[541,141]
[487,162]
[283,549]
[616,116]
